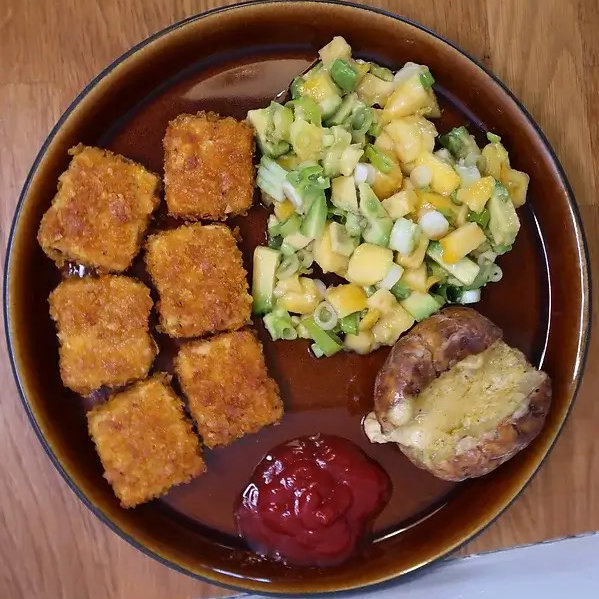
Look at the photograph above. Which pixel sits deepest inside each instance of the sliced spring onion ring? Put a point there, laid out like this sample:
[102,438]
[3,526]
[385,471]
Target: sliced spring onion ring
[325,316]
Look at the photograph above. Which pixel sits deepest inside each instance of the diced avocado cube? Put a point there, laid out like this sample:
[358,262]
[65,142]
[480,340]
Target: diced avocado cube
[343,194]
[503,220]
[465,270]
[341,242]
[316,218]
[420,305]
[266,261]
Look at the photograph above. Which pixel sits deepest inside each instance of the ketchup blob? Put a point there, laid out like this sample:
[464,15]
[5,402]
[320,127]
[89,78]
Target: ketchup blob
[311,500]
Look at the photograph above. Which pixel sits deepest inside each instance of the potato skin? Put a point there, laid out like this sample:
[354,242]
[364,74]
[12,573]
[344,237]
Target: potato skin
[430,348]
[436,345]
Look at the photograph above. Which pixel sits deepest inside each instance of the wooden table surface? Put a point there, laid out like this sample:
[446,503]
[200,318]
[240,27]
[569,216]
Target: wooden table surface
[546,51]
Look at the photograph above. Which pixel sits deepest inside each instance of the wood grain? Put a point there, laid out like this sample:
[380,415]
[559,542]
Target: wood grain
[548,54]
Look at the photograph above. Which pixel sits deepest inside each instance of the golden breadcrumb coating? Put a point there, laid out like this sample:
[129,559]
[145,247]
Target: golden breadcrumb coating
[145,442]
[200,278]
[227,385]
[208,169]
[103,331]
[101,210]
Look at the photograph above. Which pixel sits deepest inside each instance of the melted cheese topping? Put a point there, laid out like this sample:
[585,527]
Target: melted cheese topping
[464,403]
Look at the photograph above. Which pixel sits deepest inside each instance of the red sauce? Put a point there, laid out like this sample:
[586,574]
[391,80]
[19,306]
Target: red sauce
[311,500]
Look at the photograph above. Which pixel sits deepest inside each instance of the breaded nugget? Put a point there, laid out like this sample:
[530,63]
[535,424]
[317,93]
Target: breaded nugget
[226,382]
[103,331]
[145,442]
[208,170]
[200,278]
[101,211]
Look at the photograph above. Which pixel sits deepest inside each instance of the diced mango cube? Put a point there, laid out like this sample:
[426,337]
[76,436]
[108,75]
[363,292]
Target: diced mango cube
[461,242]
[320,86]
[362,343]
[429,199]
[415,278]
[368,264]
[283,210]
[516,183]
[408,98]
[346,299]
[382,300]
[386,184]
[400,203]
[298,302]
[477,195]
[416,258]
[412,136]
[495,156]
[369,320]
[388,328]
[385,143]
[445,179]
[326,258]
[336,48]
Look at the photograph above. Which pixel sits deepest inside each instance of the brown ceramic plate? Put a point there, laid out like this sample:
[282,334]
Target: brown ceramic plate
[230,60]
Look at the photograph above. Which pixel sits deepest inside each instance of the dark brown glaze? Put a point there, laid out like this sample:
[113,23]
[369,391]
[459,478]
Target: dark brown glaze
[227,62]
[430,348]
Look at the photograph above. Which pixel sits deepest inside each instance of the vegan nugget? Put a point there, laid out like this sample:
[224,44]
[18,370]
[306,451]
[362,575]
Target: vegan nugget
[227,385]
[103,331]
[200,278]
[145,442]
[101,211]
[208,169]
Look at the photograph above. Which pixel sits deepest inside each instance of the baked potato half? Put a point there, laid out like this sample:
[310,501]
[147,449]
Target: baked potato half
[456,399]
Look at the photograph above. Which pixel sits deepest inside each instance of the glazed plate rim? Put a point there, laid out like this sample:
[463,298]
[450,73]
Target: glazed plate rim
[584,262]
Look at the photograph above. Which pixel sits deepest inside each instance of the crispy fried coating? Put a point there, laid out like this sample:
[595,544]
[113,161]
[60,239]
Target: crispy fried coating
[101,211]
[226,382]
[103,331]
[208,170]
[200,278]
[145,442]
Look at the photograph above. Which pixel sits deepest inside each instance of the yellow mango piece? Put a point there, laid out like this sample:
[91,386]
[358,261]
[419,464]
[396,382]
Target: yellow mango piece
[319,86]
[412,135]
[386,184]
[304,302]
[477,195]
[461,242]
[368,264]
[432,280]
[290,284]
[373,90]
[408,98]
[416,258]
[283,210]
[460,214]
[346,299]
[516,183]
[445,179]
[388,328]
[326,258]
[495,156]
[384,143]
[415,278]
[382,300]
[289,161]
[369,320]
[428,199]
[336,48]
[362,343]
[400,203]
